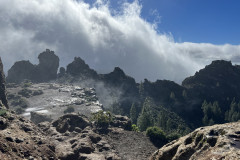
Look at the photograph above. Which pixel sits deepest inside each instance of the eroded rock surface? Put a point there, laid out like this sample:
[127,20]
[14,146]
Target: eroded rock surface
[212,142]
[3,97]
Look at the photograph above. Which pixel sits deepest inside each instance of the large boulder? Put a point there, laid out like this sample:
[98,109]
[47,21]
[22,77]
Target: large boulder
[70,122]
[45,71]
[212,142]
[3,96]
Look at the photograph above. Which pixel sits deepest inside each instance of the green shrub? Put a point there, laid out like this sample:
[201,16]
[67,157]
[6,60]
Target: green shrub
[69,109]
[3,112]
[19,110]
[156,135]
[27,84]
[21,102]
[37,92]
[135,128]
[173,136]
[102,119]
[25,92]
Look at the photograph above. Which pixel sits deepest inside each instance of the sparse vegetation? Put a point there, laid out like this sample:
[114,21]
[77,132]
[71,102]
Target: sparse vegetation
[20,102]
[27,84]
[3,112]
[37,92]
[19,110]
[135,128]
[102,119]
[25,92]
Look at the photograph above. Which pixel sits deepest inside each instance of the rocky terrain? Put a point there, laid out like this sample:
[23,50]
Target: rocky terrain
[71,136]
[52,99]
[212,142]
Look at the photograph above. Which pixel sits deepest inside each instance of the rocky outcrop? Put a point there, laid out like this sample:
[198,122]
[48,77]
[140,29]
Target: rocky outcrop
[3,97]
[78,68]
[45,71]
[47,68]
[75,138]
[21,139]
[20,71]
[212,142]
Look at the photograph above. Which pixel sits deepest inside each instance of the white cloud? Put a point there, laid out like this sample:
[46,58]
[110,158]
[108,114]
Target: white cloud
[104,41]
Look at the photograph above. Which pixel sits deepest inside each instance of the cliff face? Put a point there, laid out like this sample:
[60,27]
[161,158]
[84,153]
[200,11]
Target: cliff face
[212,142]
[3,97]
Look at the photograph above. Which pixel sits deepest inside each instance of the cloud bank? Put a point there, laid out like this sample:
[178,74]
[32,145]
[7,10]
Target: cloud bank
[104,38]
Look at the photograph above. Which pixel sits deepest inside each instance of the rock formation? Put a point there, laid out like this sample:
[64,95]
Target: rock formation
[212,142]
[20,71]
[78,68]
[20,138]
[3,98]
[45,71]
[47,68]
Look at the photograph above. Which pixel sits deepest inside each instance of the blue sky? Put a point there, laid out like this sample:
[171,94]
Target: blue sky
[198,21]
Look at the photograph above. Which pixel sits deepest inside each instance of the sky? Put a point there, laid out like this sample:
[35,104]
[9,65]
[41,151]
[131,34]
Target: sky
[153,39]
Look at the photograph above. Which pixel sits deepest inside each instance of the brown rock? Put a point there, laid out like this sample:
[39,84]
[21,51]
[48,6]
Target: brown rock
[69,122]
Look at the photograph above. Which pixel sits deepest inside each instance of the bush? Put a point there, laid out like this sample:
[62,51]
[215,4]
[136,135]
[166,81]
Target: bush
[19,110]
[173,136]
[69,109]
[3,112]
[27,84]
[37,92]
[21,102]
[25,92]
[102,119]
[156,135]
[135,128]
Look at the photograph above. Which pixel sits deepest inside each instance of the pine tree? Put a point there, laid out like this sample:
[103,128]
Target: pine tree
[144,120]
[133,113]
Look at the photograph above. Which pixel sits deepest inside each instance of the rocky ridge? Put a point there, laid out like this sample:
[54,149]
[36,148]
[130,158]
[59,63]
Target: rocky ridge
[212,142]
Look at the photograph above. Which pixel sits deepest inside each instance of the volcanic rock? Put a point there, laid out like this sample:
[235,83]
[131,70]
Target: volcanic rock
[3,96]
[212,142]
[78,68]
[20,71]
[45,71]
[47,68]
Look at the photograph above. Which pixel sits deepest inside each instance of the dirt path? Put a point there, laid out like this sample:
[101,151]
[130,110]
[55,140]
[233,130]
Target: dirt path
[131,145]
